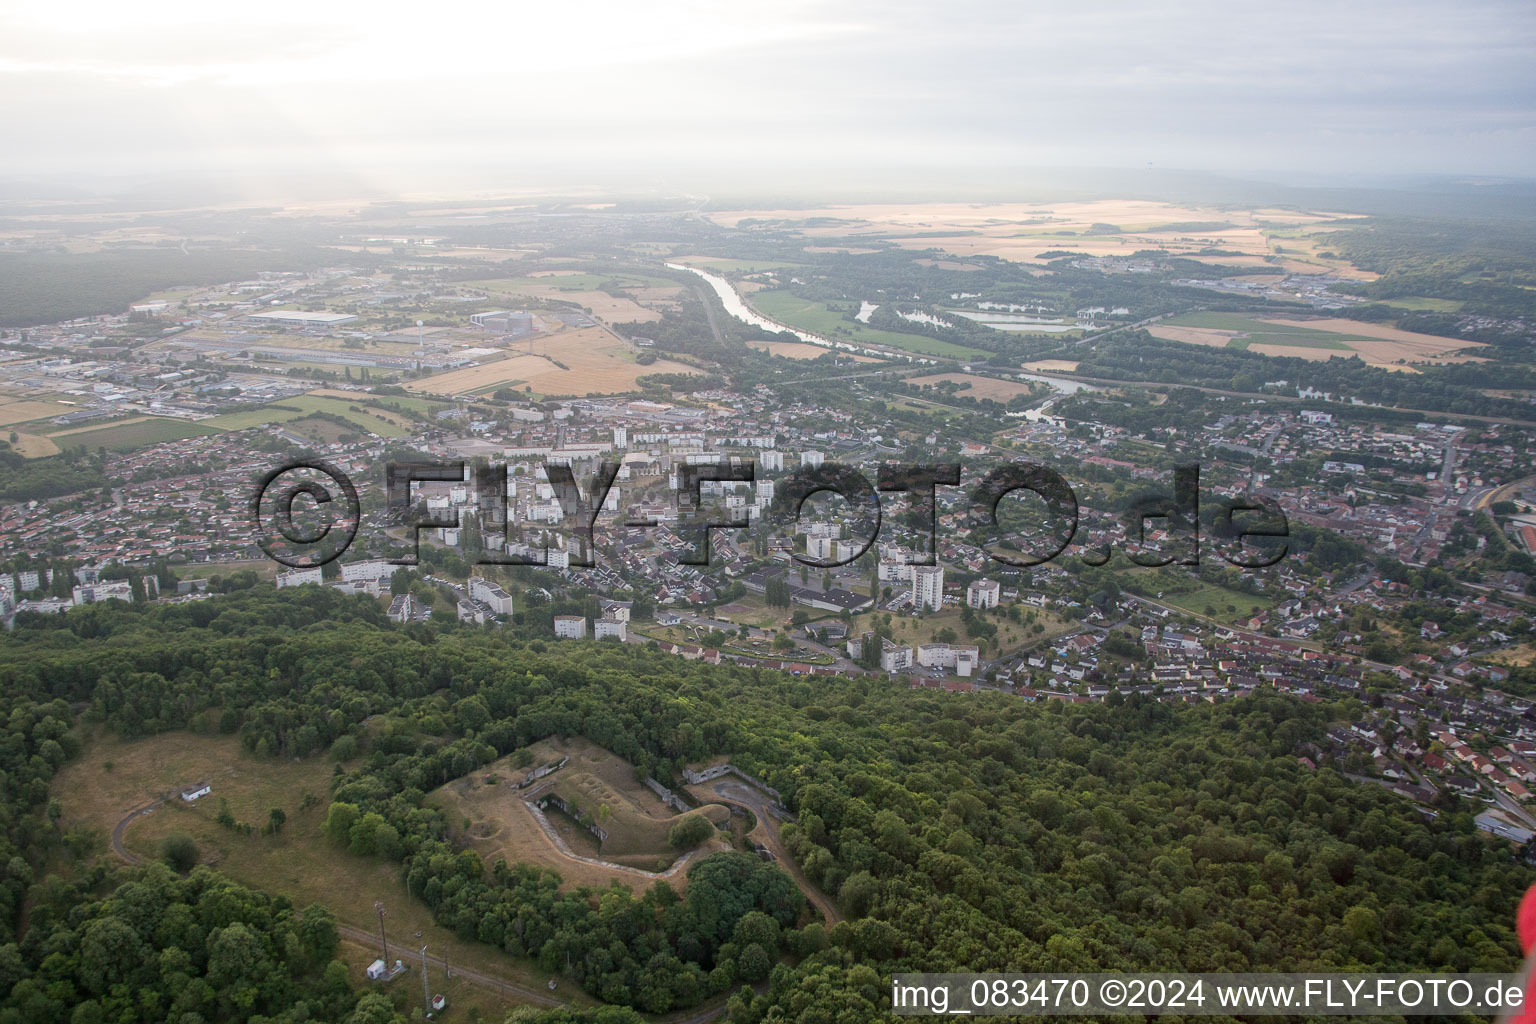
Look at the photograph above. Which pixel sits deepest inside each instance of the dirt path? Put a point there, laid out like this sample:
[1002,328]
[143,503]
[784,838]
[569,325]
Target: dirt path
[566,851]
[767,832]
[366,937]
[122,826]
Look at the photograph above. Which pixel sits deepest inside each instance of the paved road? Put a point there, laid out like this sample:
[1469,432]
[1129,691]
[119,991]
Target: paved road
[768,825]
[1494,494]
[122,827]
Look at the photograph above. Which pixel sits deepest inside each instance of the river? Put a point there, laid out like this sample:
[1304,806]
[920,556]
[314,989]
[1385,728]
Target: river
[746,314]
[735,306]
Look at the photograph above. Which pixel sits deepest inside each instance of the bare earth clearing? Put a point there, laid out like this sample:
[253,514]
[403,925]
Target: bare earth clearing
[501,826]
[596,363]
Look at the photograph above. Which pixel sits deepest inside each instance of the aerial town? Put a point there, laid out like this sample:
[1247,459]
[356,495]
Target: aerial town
[181,399]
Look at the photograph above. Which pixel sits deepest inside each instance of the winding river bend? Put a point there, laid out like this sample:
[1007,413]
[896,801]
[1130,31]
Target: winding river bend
[738,308]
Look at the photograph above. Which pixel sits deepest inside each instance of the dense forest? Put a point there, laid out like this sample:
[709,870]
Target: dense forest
[955,832]
[45,287]
[149,946]
[1137,356]
[23,479]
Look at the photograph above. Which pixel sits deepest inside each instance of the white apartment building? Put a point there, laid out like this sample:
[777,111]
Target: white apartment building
[491,595]
[927,587]
[377,570]
[299,577]
[895,657]
[963,658]
[983,593]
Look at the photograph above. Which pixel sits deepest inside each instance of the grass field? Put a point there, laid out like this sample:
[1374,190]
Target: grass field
[601,304]
[976,386]
[33,446]
[1011,636]
[751,647]
[1252,331]
[14,411]
[382,422]
[1218,599]
[596,363]
[1424,303]
[382,402]
[788,308]
[299,862]
[752,610]
[65,432]
[263,567]
[136,433]
[493,818]
[1518,655]
[316,429]
[365,412]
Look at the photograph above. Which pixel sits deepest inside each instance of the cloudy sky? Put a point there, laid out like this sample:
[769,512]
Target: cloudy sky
[188,86]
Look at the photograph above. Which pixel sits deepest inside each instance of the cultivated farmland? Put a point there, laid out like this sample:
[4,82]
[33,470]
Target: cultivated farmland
[595,363]
[1316,338]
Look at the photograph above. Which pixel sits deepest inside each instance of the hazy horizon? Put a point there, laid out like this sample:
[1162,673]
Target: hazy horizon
[400,95]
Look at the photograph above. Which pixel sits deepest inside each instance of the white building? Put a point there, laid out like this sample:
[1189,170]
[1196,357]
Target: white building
[927,587]
[491,595]
[377,570]
[983,594]
[771,461]
[605,628]
[895,657]
[404,608]
[621,437]
[571,627]
[812,459]
[299,577]
[963,658]
[108,590]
